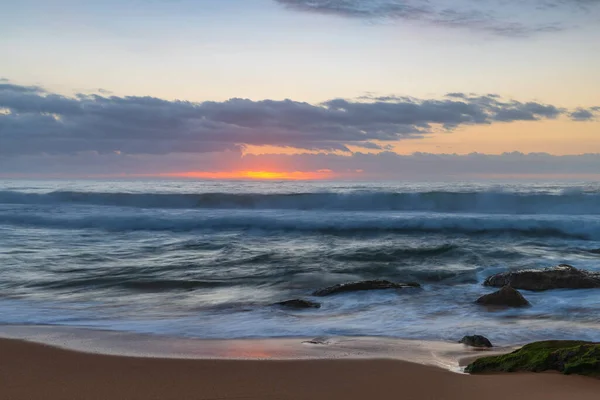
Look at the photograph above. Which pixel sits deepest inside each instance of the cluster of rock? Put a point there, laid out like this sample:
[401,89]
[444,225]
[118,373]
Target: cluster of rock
[560,277]
[564,356]
[344,288]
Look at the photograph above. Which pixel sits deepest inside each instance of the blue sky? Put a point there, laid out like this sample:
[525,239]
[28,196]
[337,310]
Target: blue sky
[544,52]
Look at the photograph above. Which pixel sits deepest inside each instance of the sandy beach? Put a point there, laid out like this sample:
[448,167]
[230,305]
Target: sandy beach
[36,371]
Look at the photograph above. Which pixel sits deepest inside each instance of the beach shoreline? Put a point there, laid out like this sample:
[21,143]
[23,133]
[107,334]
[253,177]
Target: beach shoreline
[451,356]
[33,370]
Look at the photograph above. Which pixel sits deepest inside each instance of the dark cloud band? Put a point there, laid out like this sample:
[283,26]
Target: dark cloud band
[34,121]
[385,165]
[500,17]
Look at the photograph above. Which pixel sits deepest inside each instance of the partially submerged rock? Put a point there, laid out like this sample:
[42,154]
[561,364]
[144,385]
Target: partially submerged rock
[566,356]
[363,285]
[476,341]
[299,303]
[505,297]
[560,277]
[321,340]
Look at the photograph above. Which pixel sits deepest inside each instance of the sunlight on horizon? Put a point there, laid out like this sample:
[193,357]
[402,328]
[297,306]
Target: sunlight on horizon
[255,175]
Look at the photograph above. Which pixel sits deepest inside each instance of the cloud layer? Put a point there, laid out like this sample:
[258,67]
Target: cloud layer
[500,17]
[34,121]
[385,165]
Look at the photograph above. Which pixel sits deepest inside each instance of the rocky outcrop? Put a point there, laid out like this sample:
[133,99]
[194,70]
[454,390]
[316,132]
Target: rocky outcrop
[566,356]
[506,297]
[363,285]
[476,341]
[298,303]
[560,277]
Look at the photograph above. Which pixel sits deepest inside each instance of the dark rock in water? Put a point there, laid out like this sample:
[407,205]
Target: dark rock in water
[318,340]
[507,296]
[560,277]
[299,303]
[566,356]
[363,285]
[476,341]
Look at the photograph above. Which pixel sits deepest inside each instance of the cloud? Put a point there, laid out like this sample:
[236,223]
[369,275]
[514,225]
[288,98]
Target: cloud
[385,165]
[584,114]
[7,87]
[513,18]
[34,121]
[389,165]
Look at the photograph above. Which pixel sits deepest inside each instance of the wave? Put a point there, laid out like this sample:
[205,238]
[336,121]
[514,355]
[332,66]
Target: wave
[393,254]
[134,284]
[496,202]
[337,223]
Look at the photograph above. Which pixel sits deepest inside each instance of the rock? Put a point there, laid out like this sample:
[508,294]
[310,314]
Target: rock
[507,296]
[299,303]
[560,277]
[476,341]
[321,340]
[363,285]
[566,356]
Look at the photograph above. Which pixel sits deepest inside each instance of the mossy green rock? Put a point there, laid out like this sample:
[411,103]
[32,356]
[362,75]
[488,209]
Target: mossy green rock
[566,356]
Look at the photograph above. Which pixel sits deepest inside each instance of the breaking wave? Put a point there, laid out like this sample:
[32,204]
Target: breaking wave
[568,202]
[582,227]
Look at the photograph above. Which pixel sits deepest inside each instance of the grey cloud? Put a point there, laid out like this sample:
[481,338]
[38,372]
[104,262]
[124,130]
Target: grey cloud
[527,112]
[389,165]
[385,165]
[457,95]
[499,17]
[361,8]
[584,114]
[7,87]
[33,121]
[585,5]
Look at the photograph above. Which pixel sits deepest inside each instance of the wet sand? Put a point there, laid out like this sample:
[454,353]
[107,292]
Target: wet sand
[36,371]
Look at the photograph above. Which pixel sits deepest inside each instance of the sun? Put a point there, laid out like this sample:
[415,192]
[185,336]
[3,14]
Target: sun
[271,175]
[254,175]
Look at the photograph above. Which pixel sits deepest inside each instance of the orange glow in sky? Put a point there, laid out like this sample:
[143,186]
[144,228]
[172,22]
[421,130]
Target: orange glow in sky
[254,175]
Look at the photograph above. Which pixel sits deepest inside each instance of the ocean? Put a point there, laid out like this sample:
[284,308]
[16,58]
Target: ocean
[207,259]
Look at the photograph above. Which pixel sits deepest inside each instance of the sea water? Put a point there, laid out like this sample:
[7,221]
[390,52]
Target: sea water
[207,259]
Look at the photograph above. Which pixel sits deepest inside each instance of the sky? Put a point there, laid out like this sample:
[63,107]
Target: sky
[300,89]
